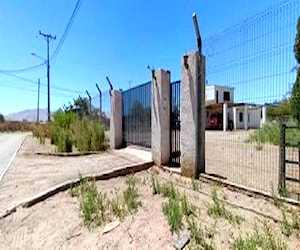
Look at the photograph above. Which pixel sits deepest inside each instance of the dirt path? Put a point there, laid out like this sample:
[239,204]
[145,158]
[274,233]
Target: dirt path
[30,174]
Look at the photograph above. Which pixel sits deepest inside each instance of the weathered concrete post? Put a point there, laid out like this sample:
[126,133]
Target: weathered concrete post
[245,117]
[225,120]
[115,119]
[192,145]
[234,118]
[160,117]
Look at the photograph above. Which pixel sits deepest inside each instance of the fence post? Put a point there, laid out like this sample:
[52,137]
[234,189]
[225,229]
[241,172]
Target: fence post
[160,117]
[281,185]
[115,119]
[192,110]
[225,118]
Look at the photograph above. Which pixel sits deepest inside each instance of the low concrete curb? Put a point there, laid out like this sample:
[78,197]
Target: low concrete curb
[66,185]
[235,187]
[71,154]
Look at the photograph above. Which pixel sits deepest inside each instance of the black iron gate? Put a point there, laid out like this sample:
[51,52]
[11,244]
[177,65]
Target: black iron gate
[175,92]
[289,172]
[136,108]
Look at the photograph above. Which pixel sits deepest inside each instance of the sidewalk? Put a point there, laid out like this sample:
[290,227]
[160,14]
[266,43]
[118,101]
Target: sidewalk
[30,174]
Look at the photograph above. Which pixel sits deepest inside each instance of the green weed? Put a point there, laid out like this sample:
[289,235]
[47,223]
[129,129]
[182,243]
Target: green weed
[168,190]
[218,209]
[130,195]
[118,208]
[290,223]
[155,185]
[198,237]
[196,184]
[186,208]
[92,204]
[270,133]
[172,210]
[259,240]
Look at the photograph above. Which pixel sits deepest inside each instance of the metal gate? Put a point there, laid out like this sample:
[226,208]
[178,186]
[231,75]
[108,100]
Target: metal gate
[175,93]
[136,110]
[289,172]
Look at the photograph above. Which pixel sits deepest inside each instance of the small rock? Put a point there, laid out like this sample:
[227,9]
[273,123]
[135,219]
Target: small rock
[182,240]
[110,226]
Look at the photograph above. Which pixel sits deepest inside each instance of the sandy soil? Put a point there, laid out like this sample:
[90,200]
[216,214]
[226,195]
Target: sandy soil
[56,222]
[30,173]
[228,156]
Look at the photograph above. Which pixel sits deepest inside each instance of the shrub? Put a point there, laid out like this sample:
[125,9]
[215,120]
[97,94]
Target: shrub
[67,129]
[1,118]
[64,141]
[270,133]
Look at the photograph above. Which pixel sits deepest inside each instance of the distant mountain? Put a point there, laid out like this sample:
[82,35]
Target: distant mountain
[28,115]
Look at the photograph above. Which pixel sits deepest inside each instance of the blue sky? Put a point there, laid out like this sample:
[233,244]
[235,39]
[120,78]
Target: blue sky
[108,38]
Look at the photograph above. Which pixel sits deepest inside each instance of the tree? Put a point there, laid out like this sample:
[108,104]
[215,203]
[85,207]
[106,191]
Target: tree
[82,106]
[2,118]
[295,97]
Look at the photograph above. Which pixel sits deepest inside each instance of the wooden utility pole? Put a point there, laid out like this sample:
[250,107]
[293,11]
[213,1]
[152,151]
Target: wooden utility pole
[48,38]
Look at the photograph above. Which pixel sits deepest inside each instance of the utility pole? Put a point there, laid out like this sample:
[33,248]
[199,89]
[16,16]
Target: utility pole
[48,37]
[38,104]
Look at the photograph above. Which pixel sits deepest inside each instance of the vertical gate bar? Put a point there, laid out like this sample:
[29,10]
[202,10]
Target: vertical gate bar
[282,157]
[299,169]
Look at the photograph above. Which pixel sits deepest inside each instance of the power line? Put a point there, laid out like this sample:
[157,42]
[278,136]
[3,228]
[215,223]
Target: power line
[69,25]
[23,69]
[42,84]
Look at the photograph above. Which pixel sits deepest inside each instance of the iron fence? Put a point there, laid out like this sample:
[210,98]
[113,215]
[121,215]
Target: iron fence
[136,110]
[255,61]
[175,99]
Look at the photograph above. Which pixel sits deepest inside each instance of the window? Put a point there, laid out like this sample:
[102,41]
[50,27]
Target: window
[241,117]
[217,96]
[226,96]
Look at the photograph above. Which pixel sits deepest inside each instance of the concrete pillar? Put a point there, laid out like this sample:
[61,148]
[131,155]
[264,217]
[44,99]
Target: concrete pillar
[246,117]
[234,118]
[192,138]
[264,116]
[115,119]
[160,117]
[225,120]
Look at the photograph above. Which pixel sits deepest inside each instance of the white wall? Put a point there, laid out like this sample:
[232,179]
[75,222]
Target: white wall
[221,91]
[255,117]
[211,92]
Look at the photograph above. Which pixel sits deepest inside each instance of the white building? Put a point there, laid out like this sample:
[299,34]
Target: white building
[218,94]
[223,113]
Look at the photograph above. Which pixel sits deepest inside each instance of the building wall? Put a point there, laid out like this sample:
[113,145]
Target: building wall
[255,117]
[215,94]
